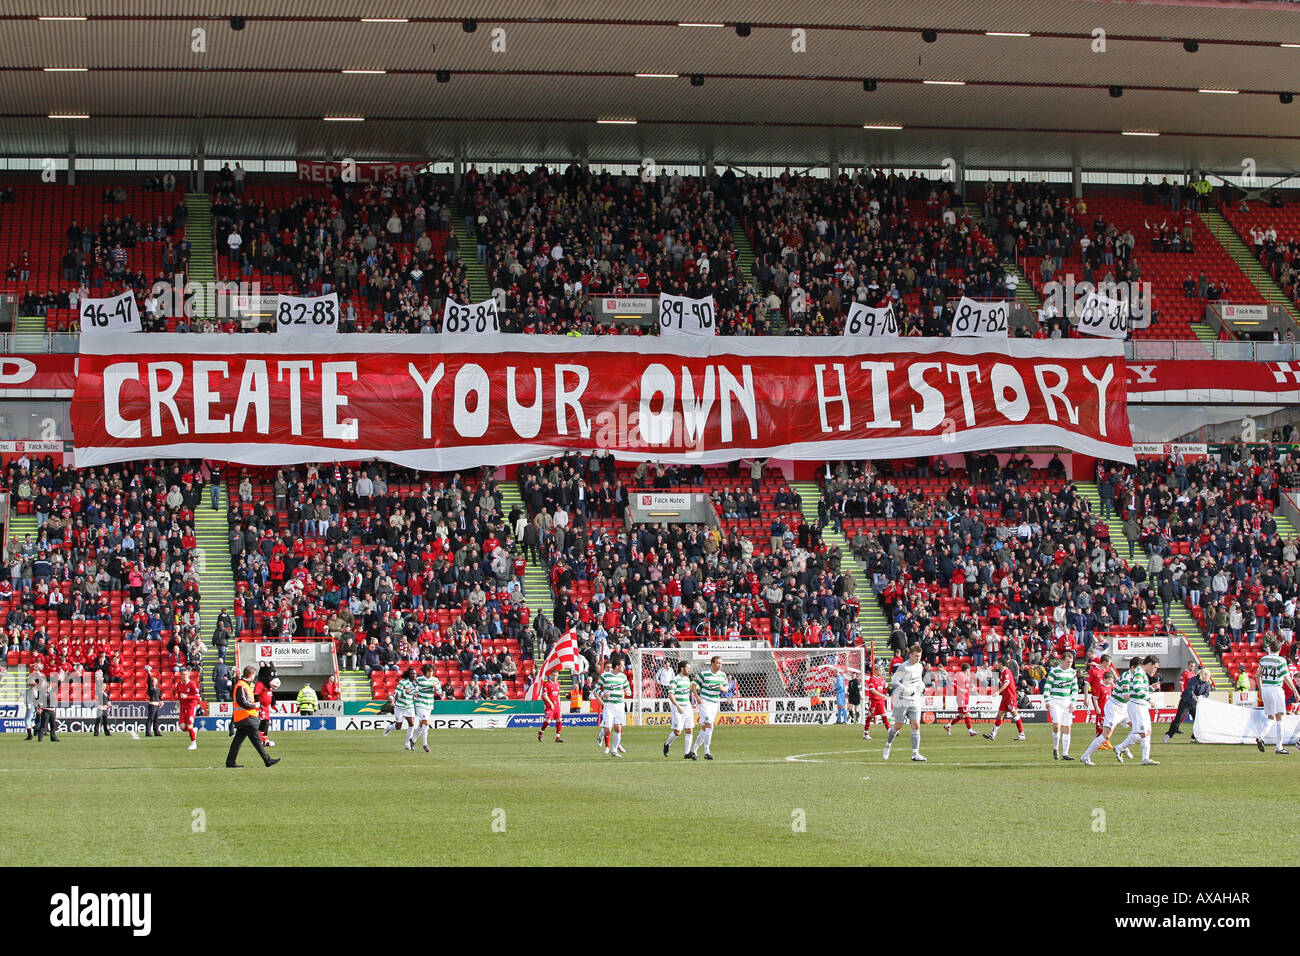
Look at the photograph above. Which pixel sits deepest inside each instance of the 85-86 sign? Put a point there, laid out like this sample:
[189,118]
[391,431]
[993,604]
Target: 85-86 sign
[296,314]
[681,315]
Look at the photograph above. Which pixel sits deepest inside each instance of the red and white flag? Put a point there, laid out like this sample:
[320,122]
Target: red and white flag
[562,655]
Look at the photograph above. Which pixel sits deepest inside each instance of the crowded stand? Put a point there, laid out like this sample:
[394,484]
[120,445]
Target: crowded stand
[1207,532]
[873,239]
[766,576]
[1119,242]
[550,240]
[396,567]
[997,559]
[110,582]
[384,248]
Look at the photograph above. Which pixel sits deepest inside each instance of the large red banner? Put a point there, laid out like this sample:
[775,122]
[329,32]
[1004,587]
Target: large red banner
[444,402]
[37,376]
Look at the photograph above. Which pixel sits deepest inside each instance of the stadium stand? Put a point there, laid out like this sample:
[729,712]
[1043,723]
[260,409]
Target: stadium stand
[760,573]
[1272,233]
[103,571]
[57,244]
[395,567]
[1125,240]
[992,560]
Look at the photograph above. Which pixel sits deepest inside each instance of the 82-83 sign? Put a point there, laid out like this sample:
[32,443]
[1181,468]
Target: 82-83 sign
[118,314]
[315,314]
[680,315]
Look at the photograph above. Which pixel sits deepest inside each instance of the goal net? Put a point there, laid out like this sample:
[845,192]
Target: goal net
[768,685]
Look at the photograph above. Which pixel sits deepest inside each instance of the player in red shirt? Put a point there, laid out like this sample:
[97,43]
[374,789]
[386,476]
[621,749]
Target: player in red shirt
[551,697]
[190,698]
[961,685]
[1099,689]
[1007,704]
[264,693]
[877,699]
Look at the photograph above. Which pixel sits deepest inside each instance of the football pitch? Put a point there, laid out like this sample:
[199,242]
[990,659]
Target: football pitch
[773,796]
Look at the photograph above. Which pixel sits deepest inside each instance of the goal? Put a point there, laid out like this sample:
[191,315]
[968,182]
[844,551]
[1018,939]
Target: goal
[771,685]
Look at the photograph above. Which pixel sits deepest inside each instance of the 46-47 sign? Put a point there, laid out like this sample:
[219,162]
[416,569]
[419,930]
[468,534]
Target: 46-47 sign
[118,314]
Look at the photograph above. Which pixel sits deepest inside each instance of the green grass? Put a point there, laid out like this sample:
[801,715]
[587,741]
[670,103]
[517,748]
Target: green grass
[357,798]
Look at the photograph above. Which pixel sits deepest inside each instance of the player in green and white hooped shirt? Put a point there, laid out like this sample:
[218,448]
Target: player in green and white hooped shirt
[1114,710]
[1138,685]
[1273,677]
[709,686]
[614,690]
[426,692]
[1059,687]
[404,705]
[681,713]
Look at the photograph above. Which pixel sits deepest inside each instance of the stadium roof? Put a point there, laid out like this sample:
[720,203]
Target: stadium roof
[1028,101]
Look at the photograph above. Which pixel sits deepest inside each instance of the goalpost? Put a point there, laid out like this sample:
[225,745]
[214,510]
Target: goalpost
[773,685]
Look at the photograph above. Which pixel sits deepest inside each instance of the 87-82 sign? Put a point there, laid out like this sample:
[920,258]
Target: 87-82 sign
[681,315]
[980,319]
[297,314]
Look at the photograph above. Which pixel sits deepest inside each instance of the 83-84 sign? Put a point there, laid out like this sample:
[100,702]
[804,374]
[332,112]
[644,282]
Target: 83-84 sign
[118,314]
[315,314]
[681,315]
[477,318]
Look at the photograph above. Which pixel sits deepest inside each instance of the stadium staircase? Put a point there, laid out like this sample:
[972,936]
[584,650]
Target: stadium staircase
[29,333]
[216,582]
[13,683]
[203,258]
[475,271]
[1025,293]
[354,685]
[20,526]
[537,585]
[744,254]
[1259,276]
[14,680]
[1180,618]
[871,617]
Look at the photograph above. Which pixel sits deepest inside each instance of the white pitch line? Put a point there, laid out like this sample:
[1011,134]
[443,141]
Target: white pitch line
[802,758]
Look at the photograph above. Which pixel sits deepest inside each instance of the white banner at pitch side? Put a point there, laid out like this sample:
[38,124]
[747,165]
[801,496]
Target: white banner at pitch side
[442,402]
[1218,723]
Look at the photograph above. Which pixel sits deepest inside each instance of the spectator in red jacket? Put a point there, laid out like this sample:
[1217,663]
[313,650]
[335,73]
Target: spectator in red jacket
[330,689]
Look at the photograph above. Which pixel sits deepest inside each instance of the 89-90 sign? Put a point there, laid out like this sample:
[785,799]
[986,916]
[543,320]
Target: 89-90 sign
[680,314]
